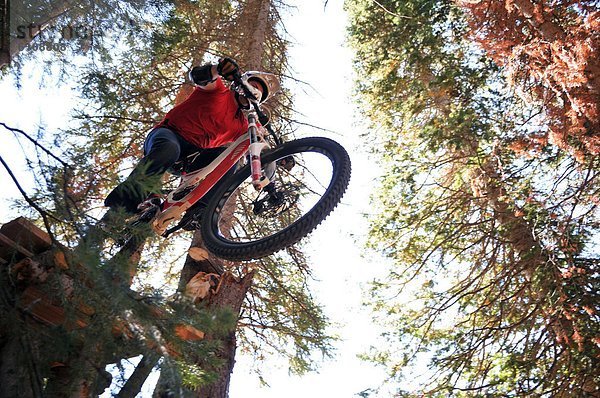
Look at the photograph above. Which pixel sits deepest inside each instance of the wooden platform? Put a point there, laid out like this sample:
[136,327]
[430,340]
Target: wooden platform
[20,238]
[29,253]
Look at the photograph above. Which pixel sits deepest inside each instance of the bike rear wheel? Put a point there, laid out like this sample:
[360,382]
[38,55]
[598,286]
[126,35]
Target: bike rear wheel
[242,224]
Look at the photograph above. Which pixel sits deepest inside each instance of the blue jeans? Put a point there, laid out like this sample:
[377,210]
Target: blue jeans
[162,148]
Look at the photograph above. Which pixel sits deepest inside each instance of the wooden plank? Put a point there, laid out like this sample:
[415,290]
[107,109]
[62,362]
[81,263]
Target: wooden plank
[188,332]
[27,235]
[35,302]
[11,250]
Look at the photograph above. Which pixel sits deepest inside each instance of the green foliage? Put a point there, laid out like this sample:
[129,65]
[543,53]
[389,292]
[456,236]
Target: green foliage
[483,232]
[193,376]
[64,33]
[281,317]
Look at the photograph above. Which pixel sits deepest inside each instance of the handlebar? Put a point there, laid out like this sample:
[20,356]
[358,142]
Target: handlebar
[238,81]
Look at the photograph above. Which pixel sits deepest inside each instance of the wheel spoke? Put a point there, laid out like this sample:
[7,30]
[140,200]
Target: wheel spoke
[290,207]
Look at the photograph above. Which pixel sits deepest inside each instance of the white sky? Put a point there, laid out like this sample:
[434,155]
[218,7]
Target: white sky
[319,58]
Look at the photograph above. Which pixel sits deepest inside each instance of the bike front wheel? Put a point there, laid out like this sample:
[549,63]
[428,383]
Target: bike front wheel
[311,176]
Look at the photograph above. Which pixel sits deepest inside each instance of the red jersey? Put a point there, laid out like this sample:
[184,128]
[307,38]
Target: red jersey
[208,118]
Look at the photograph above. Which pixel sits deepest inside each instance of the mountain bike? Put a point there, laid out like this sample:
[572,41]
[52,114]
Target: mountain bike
[263,197]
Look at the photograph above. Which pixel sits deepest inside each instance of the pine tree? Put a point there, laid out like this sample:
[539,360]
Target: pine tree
[494,281]
[66,29]
[124,94]
[552,51]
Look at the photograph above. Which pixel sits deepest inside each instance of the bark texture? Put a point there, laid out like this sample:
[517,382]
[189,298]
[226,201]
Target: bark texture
[232,291]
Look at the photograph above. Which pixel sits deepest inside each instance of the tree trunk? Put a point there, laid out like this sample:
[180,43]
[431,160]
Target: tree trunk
[257,40]
[532,256]
[15,378]
[135,382]
[232,290]
[230,297]
[4,32]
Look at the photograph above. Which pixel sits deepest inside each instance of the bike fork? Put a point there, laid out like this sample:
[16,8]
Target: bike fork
[259,181]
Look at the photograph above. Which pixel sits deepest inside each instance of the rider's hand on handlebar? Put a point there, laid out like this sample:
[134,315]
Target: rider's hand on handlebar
[228,68]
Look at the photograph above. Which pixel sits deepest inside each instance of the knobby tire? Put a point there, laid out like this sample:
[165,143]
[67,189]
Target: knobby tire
[239,251]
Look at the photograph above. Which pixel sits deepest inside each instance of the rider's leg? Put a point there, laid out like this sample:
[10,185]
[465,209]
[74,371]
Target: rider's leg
[162,148]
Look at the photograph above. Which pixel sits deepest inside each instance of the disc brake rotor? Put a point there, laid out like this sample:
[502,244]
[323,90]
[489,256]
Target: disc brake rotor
[275,201]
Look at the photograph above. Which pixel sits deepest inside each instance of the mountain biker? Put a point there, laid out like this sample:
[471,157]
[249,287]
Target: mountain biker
[208,119]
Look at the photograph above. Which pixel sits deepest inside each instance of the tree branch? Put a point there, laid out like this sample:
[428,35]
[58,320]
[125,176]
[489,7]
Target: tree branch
[47,151]
[45,215]
[135,382]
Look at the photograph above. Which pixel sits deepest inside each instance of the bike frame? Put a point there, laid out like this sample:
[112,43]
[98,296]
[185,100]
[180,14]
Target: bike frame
[204,179]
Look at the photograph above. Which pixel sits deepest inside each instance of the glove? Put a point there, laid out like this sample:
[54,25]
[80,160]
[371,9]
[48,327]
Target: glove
[202,75]
[227,68]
